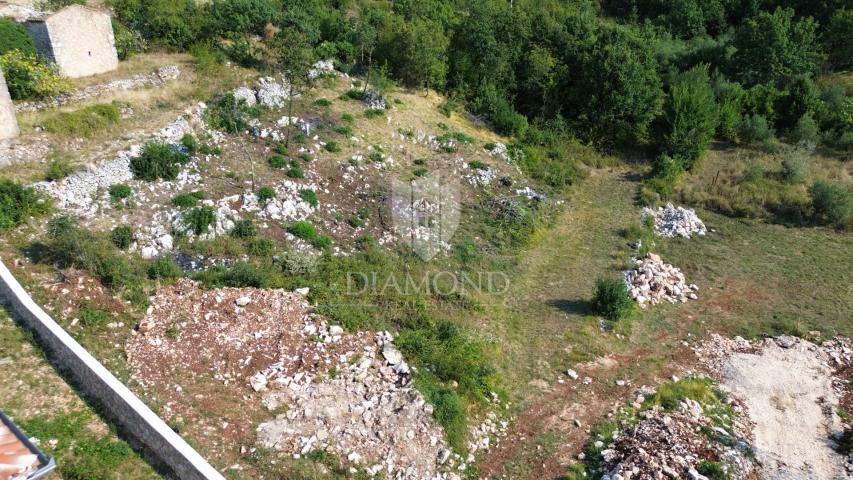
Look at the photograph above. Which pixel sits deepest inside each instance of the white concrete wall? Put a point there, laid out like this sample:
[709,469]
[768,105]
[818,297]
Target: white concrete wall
[8,121]
[159,442]
[82,41]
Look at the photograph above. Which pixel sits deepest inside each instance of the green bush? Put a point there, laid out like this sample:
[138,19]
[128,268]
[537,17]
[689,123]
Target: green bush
[187,200]
[322,102]
[164,268]
[244,229]
[309,196]
[18,203]
[332,147]
[299,263]
[755,129]
[303,229]
[241,16]
[128,42]
[27,77]
[13,36]
[190,143]
[241,275]
[295,170]
[832,203]
[277,161]
[478,165]
[57,169]
[713,470]
[690,116]
[265,194]
[795,167]
[260,247]
[86,122]
[200,219]
[157,161]
[806,132]
[120,191]
[229,114]
[122,237]
[91,316]
[611,299]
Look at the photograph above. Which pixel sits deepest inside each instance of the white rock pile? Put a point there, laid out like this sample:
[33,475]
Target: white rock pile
[320,68]
[271,93]
[672,221]
[654,281]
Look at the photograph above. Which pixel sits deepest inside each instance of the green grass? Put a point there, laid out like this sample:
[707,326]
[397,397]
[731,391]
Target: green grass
[86,122]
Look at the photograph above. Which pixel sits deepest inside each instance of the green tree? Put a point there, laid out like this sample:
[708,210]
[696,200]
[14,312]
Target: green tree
[241,16]
[294,58]
[417,51]
[13,36]
[690,116]
[839,39]
[774,47]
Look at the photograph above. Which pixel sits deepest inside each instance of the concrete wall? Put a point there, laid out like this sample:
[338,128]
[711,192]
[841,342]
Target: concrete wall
[79,40]
[134,418]
[8,122]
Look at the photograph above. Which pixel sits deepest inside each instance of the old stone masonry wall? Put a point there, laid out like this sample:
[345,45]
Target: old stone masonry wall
[8,122]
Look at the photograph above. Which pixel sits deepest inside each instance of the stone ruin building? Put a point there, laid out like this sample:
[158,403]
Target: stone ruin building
[8,122]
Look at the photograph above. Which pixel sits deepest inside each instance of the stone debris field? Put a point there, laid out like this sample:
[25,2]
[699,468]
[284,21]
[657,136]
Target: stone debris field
[350,394]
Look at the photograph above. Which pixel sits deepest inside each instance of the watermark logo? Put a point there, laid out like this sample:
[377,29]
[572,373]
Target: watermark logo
[425,212]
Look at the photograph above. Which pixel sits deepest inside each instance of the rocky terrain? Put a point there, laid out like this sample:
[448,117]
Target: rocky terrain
[350,394]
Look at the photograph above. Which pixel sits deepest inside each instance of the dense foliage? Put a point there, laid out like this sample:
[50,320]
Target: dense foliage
[13,36]
[27,77]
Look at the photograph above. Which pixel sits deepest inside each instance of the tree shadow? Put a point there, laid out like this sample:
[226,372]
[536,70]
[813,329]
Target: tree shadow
[576,307]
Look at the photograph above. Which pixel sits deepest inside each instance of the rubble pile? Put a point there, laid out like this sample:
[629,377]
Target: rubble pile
[671,221]
[654,281]
[151,80]
[672,444]
[374,100]
[271,93]
[320,68]
[349,394]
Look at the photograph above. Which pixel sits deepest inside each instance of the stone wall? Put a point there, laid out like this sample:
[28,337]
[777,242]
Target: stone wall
[8,122]
[161,445]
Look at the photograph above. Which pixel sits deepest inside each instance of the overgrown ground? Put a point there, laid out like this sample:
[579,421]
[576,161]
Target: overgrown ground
[755,277]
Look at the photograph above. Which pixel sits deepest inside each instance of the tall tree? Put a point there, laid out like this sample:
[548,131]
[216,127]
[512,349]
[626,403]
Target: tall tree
[690,116]
[295,57]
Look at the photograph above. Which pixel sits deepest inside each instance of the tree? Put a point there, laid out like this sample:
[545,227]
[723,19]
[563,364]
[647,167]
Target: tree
[774,47]
[690,116]
[13,36]
[839,39]
[241,16]
[295,57]
[417,51]
[618,89]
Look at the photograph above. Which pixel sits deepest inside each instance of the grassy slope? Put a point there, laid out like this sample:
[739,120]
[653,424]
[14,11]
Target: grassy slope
[754,279]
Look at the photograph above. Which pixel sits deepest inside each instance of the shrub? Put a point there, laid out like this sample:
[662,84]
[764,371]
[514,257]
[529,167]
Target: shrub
[190,143]
[280,149]
[57,169]
[309,196]
[86,122]
[478,165]
[241,16]
[244,229]
[120,191]
[200,219]
[17,203]
[713,470]
[347,118]
[806,132]
[208,58]
[611,299]
[298,263]
[128,42]
[795,167]
[420,172]
[265,194]
[303,229]
[322,102]
[322,242]
[157,161]
[13,36]
[344,130]
[832,203]
[295,171]
[165,268]
[332,147]
[90,316]
[241,275]
[277,161]
[187,200]
[122,236]
[755,129]
[27,78]
[260,247]
[229,114]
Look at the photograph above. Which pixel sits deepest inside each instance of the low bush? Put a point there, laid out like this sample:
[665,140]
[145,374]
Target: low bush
[260,247]
[303,229]
[322,102]
[478,165]
[164,268]
[229,114]
[241,275]
[806,132]
[14,36]
[85,122]
[244,229]
[122,237]
[332,147]
[420,172]
[190,143]
[611,299]
[200,219]
[277,161]
[27,77]
[18,203]
[128,42]
[187,200]
[832,203]
[299,263]
[57,169]
[795,167]
[550,166]
[755,129]
[120,191]
[309,196]
[265,194]
[157,161]
[345,131]
[295,170]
